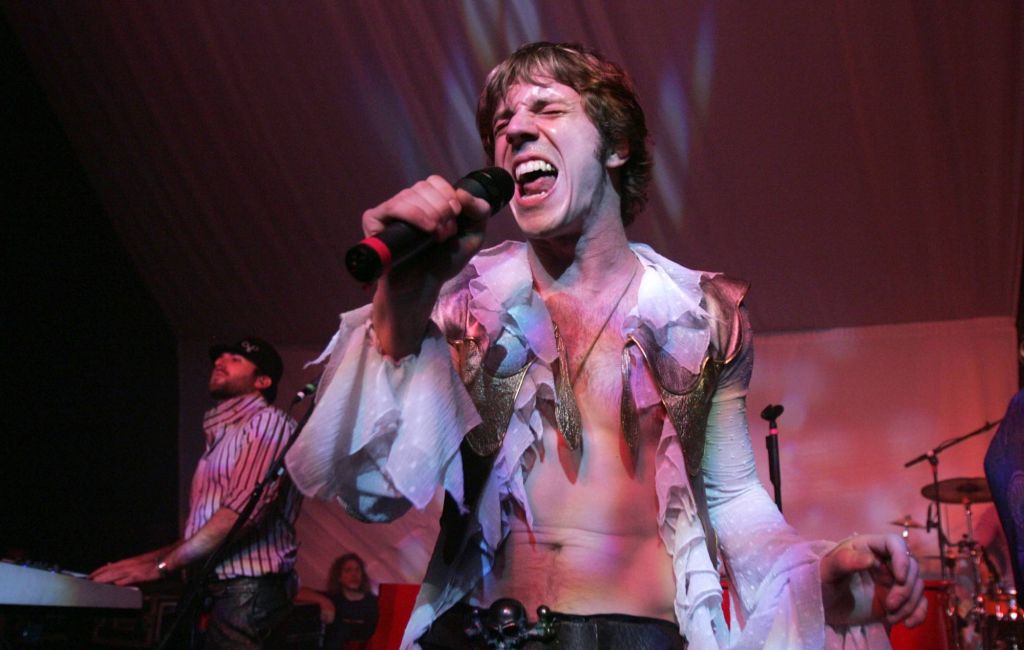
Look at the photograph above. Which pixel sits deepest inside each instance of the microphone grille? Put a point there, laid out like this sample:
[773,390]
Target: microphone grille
[492,184]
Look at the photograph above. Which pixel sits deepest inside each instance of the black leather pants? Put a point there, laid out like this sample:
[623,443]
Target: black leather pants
[573,632]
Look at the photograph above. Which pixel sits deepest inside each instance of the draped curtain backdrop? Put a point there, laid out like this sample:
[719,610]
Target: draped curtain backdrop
[859,163]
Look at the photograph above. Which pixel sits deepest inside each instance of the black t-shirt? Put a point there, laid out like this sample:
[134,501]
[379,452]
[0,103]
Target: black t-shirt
[354,620]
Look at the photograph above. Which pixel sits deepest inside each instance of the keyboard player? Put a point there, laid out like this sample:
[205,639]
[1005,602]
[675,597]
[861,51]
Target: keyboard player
[244,434]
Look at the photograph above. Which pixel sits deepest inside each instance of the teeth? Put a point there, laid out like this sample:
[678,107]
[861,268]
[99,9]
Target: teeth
[533,166]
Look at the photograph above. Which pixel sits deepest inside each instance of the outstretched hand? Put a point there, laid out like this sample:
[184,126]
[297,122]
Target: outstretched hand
[869,578]
[127,572]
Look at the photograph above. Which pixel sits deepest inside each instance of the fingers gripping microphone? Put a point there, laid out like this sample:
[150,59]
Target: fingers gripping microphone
[399,241]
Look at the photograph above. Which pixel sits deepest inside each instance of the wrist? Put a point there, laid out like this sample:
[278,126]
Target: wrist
[407,289]
[401,320]
[162,568]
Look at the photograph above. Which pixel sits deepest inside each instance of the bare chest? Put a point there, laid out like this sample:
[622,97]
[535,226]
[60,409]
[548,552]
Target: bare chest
[594,544]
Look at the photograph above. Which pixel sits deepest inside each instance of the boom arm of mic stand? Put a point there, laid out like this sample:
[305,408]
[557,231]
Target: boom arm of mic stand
[949,443]
[194,590]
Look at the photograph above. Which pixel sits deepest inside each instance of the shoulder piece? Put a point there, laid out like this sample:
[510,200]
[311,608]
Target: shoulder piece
[722,297]
[494,395]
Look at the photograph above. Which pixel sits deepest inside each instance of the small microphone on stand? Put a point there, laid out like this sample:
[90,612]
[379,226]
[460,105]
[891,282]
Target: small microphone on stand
[771,413]
[305,392]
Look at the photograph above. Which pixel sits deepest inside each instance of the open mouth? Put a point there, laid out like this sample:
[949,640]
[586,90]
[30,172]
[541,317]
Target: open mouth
[535,177]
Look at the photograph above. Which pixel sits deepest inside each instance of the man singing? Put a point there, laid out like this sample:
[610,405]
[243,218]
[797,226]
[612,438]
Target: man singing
[252,587]
[581,400]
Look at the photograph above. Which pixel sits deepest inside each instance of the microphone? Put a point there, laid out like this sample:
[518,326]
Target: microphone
[399,241]
[305,392]
[772,413]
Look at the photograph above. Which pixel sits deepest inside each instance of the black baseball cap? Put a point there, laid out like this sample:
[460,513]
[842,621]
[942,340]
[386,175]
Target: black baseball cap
[262,354]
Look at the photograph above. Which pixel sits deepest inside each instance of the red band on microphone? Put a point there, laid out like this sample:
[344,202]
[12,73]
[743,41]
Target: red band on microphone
[381,248]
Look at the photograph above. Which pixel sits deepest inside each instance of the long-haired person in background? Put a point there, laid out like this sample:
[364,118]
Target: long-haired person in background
[348,608]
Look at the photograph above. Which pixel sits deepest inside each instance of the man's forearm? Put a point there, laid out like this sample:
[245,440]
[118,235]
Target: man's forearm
[400,316]
[203,543]
[154,555]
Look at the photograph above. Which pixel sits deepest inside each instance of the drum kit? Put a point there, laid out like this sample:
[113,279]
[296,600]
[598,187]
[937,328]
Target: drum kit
[981,610]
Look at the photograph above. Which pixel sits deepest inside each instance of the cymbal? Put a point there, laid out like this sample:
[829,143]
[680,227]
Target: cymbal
[958,490]
[907,522]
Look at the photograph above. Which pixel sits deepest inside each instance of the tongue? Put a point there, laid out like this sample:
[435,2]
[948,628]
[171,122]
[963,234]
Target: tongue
[537,185]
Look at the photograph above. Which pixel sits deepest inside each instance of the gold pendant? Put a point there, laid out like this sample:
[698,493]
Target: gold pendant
[567,413]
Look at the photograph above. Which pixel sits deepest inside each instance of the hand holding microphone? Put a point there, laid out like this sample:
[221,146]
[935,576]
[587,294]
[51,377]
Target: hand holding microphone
[418,219]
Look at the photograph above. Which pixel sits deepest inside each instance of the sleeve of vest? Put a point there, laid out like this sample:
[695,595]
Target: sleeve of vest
[384,434]
[731,336]
[773,571]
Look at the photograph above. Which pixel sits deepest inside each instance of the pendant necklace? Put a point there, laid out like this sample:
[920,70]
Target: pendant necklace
[567,413]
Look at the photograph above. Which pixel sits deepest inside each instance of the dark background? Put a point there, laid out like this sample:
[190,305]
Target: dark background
[89,469]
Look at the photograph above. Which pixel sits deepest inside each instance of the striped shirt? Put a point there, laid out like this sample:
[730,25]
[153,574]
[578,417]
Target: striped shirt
[243,437]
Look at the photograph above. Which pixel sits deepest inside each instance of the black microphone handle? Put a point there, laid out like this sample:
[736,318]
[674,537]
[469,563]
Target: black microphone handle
[400,241]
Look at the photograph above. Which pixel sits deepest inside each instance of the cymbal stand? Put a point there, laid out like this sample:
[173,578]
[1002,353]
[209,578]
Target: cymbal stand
[932,456]
[974,552]
[933,460]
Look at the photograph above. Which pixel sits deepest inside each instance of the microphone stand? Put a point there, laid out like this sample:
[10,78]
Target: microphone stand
[771,414]
[932,456]
[196,586]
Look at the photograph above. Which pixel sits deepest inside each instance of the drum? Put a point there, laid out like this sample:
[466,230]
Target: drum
[1002,634]
[984,615]
[1002,625]
[937,631]
[999,604]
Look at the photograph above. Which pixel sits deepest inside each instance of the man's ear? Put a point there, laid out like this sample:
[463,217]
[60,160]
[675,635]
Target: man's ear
[618,156]
[262,382]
